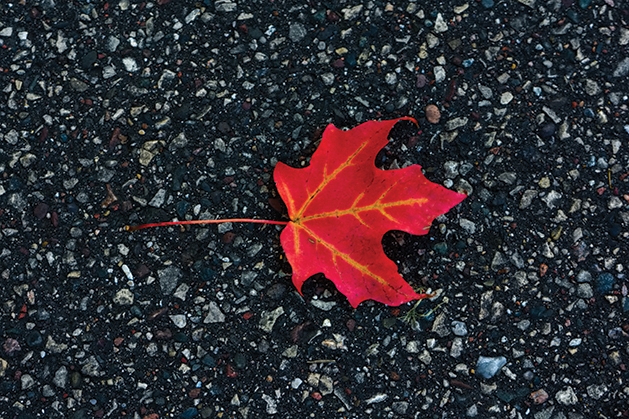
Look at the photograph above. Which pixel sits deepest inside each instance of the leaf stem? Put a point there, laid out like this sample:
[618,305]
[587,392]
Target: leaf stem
[189,222]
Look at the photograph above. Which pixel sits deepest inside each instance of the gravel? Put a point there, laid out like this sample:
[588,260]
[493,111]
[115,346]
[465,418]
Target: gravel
[124,112]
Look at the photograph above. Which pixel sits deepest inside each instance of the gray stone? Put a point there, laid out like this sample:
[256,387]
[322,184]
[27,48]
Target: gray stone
[225,6]
[124,297]
[181,292]
[459,328]
[296,32]
[352,12]
[456,348]
[585,291]
[214,315]
[158,199]
[487,367]
[440,73]
[584,276]
[268,319]
[439,326]
[591,87]
[179,320]
[440,24]
[467,225]
[27,381]
[596,391]
[622,69]
[168,279]
[412,347]
[527,198]
[566,397]
[399,407]
[91,367]
[455,123]
[61,377]
[130,64]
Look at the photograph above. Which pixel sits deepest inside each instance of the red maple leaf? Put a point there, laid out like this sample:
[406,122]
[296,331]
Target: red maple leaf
[342,204]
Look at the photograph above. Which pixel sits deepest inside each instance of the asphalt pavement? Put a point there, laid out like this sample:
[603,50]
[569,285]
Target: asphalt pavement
[124,112]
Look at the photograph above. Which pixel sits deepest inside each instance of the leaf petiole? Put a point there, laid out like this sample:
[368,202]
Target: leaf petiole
[190,222]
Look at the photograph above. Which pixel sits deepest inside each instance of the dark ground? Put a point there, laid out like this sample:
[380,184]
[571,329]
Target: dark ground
[183,108]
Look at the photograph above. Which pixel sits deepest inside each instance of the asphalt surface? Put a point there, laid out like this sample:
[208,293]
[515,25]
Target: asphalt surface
[123,112]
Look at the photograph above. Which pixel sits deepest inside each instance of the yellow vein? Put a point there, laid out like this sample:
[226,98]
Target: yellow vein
[355,211]
[328,178]
[337,253]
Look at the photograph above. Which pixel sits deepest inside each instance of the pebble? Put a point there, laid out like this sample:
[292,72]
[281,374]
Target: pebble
[268,319]
[168,279]
[596,391]
[214,315]
[506,98]
[130,64]
[297,32]
[585,291]
[459,328]
[433,114]
[456,349]
[487,367]
[61,377]
[440,25]
[566,397]
[179,320]
[440,73]
[124,297]
[539,396]
[27,381]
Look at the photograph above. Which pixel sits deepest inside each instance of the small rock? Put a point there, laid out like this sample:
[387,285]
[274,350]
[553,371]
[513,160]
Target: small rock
[440,24]
[4,365]
[455,123]
[614,203]
[585,291]
[61,377]
[584,276]
[527,198]
[27,381]
[91,367]
[566,397]
[268,319]
[215,315]
[440,73]
[271,404]
[591,87]
[456,349]
[596,391]
[506,98]
[459,328]
[467,225]
[399,407]
[124,297]
[439,326]
[622,69]
[539,396]
[433,114]
[350,13]
[296,32]
[158,199]
[487,367]
[179,320]
[412,347]
[168,279]
[130,64]
[181,292]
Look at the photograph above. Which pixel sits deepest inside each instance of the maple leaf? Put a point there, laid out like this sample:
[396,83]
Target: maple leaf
[341,205]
